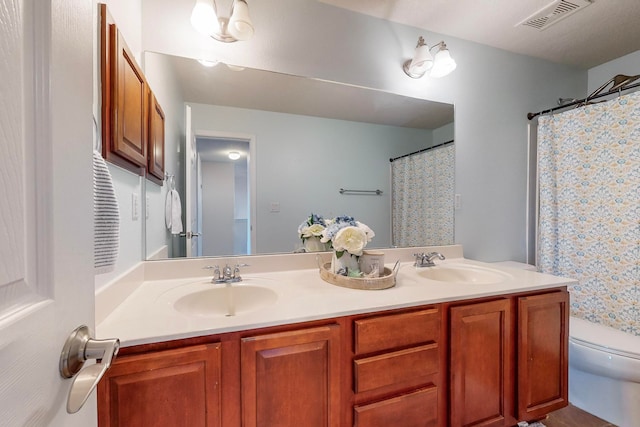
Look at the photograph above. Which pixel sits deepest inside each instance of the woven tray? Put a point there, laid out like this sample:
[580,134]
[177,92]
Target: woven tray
[387,280]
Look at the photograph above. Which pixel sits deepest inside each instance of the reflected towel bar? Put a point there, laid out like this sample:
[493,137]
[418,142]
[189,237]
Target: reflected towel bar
[376,192]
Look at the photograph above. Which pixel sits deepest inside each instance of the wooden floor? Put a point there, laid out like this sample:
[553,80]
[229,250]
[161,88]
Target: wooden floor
[572,416]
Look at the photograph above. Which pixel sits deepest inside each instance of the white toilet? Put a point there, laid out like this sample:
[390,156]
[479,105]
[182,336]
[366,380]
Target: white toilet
[604,372]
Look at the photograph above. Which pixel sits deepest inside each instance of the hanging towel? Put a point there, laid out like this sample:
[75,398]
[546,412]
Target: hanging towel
[173,212]
[106,229]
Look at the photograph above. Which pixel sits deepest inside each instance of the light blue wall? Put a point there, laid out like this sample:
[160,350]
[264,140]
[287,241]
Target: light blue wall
[629,65]
[303,161]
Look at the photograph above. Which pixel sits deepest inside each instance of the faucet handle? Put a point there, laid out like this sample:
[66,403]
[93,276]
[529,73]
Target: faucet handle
[236,270]
[216,272]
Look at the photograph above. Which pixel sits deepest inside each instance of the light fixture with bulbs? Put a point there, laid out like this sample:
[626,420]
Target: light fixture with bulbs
[438,66]
[206,20]
[234,155]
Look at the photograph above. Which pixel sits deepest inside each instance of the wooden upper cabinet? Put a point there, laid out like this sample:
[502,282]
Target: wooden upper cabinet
[131,102]
[292,378]
[543,328]
[480,365]
[155,169]
[132,119]
[180,387]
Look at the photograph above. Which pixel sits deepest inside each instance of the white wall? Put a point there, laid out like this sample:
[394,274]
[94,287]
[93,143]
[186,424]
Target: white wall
[303,161]
[492,90]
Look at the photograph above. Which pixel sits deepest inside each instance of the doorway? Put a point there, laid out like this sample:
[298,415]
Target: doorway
[224,195]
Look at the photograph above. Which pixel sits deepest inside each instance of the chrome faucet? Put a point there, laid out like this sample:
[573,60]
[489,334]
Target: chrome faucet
[426,260]
[227,275]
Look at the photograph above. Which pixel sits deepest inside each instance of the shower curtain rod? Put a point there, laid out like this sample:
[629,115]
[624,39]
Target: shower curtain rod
[618,87]
[421,151]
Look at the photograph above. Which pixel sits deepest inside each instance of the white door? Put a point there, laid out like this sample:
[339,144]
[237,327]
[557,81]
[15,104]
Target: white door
[46,233]
[191,189]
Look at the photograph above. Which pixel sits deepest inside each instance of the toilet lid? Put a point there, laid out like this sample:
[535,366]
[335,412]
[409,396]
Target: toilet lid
[604,338]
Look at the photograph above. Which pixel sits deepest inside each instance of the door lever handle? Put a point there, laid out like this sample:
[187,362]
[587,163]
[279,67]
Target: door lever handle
[78,348]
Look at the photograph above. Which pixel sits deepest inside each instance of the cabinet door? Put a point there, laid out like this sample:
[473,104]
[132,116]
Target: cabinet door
[481,364]
[155,170]
[168,388]
[543,328]
[130,104]
[291,379]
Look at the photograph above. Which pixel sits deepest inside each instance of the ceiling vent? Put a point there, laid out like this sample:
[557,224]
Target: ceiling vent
[553,13]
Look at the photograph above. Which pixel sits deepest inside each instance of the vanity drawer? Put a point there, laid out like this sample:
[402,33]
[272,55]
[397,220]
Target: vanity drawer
[396,330]
[395,367]
[415,409]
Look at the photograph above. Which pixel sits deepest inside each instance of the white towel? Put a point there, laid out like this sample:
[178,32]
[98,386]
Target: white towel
[106,229]
[173,212]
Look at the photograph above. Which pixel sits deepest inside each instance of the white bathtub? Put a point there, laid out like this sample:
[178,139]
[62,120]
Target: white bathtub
[604,372]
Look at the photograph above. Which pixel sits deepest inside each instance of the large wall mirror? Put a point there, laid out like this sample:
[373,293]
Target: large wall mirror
[300,141]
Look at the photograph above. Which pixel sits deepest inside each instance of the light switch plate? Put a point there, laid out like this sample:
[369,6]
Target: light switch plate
[274,207]
[135,206]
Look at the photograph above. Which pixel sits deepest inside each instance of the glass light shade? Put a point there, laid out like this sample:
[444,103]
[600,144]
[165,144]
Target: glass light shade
[443,64]
[207,63]
[240,26]
[204,19]
[234,155]
[421,61]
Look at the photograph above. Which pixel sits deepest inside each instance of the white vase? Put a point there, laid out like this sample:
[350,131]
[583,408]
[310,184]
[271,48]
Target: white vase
[313,244]
[347,263]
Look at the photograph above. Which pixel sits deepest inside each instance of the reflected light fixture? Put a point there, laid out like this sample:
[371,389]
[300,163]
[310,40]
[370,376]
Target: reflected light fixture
[438,66]
[234,155]
[207,63]
[238,26]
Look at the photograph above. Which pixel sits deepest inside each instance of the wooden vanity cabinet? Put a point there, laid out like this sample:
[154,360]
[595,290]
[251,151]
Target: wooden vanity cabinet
[486,362]
[178,387]
[508,359]
[291,378]
[397,369]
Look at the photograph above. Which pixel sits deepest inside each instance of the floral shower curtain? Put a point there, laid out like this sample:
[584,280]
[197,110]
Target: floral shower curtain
[589,208]
[422,198]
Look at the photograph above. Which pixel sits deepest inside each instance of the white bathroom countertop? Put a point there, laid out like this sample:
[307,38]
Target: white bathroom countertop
[145,312]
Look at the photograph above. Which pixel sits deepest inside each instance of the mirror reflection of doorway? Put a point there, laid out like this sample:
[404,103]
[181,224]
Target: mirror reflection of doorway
[223,196]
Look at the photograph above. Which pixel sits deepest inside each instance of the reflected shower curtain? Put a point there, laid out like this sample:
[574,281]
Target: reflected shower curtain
[422,198]
[589,208]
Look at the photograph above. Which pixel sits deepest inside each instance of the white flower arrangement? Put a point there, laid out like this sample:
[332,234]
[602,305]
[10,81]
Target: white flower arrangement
[348,238]
[313,226]
[347,235]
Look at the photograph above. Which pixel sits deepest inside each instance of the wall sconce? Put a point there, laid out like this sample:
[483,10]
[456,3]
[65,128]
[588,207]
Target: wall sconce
[238,26]
[234,155]
[438,66]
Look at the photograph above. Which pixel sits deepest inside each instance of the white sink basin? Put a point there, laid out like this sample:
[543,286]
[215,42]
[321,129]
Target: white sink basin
[463,273]
[226,300]
[206,299]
